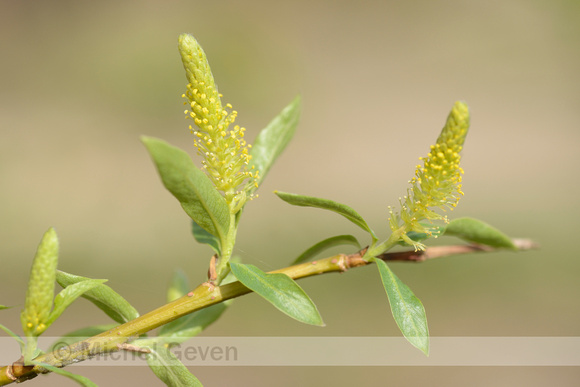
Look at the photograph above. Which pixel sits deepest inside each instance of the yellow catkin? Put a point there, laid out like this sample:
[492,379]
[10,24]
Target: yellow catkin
[437,184]
[225,152]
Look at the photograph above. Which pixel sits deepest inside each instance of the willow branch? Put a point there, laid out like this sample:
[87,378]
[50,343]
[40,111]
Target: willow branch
[445,251]
[206,295]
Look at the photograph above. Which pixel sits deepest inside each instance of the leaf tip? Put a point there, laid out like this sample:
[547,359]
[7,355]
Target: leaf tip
[145,139]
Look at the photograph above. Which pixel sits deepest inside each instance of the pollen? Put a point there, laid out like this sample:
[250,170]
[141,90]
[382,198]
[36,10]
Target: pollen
[224,151]
[436,185]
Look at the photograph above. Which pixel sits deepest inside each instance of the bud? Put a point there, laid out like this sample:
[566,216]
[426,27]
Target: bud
[41,284]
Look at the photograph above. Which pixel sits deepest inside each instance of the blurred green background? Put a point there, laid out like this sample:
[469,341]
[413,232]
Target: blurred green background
[81,81]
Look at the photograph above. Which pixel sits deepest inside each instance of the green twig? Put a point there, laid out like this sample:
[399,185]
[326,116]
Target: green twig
[206,295]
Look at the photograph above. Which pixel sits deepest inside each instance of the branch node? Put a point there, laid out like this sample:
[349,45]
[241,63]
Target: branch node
[356,259]
[342,263]
[10,374]
[212,273]
[17,371]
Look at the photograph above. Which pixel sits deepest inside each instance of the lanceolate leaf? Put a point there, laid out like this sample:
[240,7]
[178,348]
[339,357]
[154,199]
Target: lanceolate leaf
[78,335]
[280,290]
[83,381]
[324,245]
[68,295]
[178,287]
[407,310]
[167,367]
[14,335]
[105,298]
[326,204]
[436,231]
[194,190]
[273,138]
[192,325]
[474,230]
[203,236]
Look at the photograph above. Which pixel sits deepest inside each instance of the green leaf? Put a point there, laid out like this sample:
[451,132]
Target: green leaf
[194,190]
[2,307]
[474,230]
[169,369]
[40,286]
[436,231]
[326,204]
[192,325]
[274,138]
[280,290]
[178,287]
[69,294]
[324,245]
[78,335]
[407,309]
[83,381]
[14,335]
[202,236]
[104,298]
